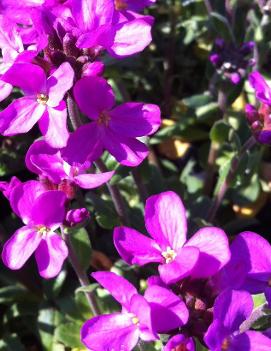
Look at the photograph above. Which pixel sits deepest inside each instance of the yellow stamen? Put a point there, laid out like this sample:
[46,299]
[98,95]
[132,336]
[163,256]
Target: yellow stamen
[42,230]
[135,320]
[169,255]
[42,99]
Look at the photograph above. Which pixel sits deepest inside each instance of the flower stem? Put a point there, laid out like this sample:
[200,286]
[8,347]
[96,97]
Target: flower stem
[143,193]
[227,182]
[116,196]
[254,317]
[74,113]
[208,7]
[81,275]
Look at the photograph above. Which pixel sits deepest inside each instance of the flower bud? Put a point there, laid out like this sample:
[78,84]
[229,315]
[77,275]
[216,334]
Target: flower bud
[77,216]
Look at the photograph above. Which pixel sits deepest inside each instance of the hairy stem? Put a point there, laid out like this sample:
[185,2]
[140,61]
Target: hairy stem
[73,112]
[226,184]
[143,192]
[254,317]
[82,277]
[116,196]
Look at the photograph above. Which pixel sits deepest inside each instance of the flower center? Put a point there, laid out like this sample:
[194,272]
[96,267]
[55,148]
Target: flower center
[120,5]
[42,99]
[169,255]
[225,344]
[42,230]
[135,320]
[104,118]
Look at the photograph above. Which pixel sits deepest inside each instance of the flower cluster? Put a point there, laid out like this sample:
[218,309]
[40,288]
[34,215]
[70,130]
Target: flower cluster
[53,51]
[231,61]
[203,289]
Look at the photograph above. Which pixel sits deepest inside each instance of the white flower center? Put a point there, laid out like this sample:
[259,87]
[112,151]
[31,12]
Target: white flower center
[169,255]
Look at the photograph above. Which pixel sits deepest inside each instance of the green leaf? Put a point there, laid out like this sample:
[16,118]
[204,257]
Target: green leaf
[223,173]
[89,288]
[11,343]
[82,246]
[53,287]
[105,214]
[48,319]
[221,26]
[219,132]
[69,334]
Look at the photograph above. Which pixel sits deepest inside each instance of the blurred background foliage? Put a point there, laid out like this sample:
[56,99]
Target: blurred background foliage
[204,127]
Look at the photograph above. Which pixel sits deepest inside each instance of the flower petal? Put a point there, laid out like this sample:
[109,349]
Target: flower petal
[165,220]
[263,91]
[168,311]
[91,181]
[5,90]
[110,332]
[182,341]
[59,83]
[20,247]
[20,116]
[135,119]
[180,267]
[49,209]
[215,335]
[141,309]
[232,308]
[23,196]
[252,341]
[136,248]
[50,255]
[83,145]
[53,125]
[214,251]
[128,151]
[93,96]
[131,37]
[30,78]
[121,289]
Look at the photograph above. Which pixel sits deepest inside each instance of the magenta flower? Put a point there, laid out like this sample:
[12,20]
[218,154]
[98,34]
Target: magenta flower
[231,309]
[43,102]
[201,256]
[159,310]
[249,267]
[46,161]
[76,216]
[119,331]
[42,213]
[259,119]
[97,25]
[113,128]
[180,342]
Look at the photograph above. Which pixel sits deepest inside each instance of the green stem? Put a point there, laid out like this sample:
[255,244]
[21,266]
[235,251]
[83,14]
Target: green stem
[81,275]
[116,196]
[227,182]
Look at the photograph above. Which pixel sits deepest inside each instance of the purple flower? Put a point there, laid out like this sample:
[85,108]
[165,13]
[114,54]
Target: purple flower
[259,119]
[76,216]
[119,331]
[42,213]
[249,267]
[201,256]
[231,61]
[231,309]
[97,25]
[46,161]
[180,342]
[43,102]
[113,128]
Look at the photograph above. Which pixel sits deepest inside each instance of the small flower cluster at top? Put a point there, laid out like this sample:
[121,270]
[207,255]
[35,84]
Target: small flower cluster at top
[203,289]
[53,50]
